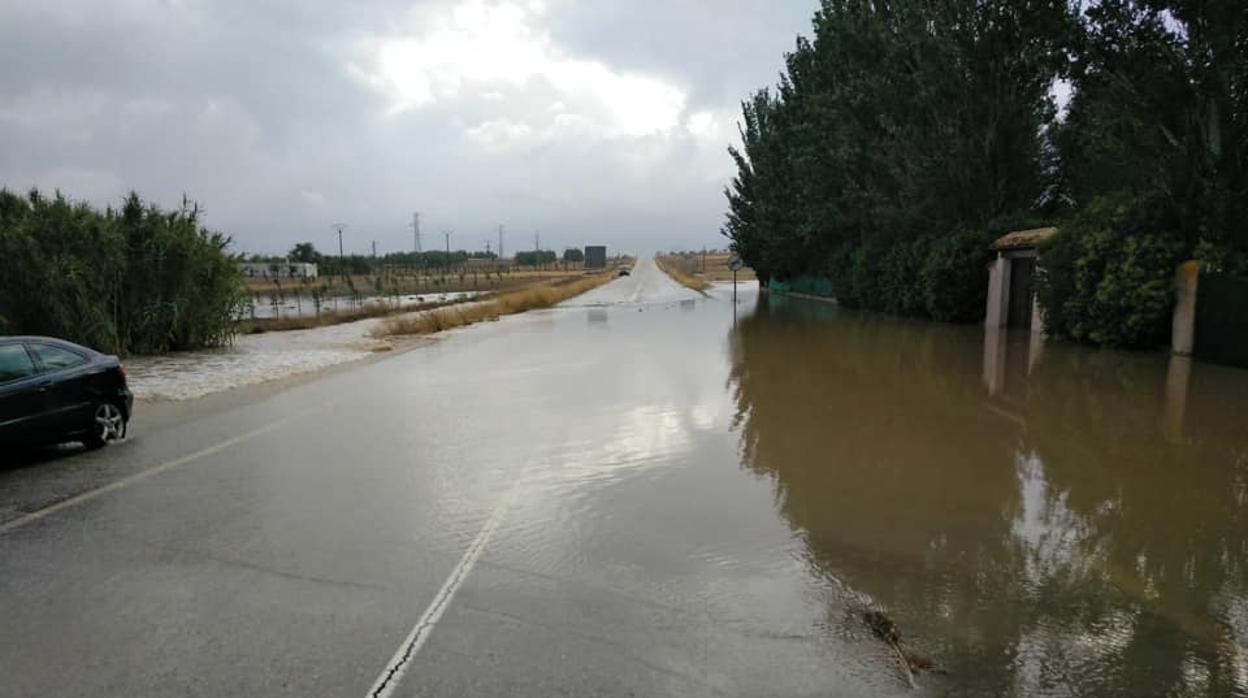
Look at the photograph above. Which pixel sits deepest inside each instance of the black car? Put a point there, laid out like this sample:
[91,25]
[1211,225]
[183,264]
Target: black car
[53,391]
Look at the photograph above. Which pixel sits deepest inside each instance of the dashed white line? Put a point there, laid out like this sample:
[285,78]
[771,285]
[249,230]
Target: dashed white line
[87,496]
[390,677]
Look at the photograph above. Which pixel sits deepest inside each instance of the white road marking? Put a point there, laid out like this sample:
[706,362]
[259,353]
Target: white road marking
[87,496]
[392,675]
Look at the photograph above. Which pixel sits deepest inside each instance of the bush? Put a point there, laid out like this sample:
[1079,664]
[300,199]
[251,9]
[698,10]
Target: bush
[955,277]
[900,286]
[137,280]
[1107,280]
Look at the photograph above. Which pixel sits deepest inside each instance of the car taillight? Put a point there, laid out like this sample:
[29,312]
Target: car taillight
[121,371]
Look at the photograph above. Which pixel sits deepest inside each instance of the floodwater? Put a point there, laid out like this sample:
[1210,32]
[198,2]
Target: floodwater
[1037,519]
[250,359]
[265,307]
[1040,518]
[692,498]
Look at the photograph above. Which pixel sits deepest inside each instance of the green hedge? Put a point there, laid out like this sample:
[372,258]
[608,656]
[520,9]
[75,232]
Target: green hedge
[1106,278]
[945,277]
[132,280]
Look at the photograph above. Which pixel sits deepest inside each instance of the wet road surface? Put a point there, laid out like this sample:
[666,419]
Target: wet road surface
[641,494]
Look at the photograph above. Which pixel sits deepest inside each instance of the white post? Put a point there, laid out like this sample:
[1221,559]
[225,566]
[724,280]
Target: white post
[998,292]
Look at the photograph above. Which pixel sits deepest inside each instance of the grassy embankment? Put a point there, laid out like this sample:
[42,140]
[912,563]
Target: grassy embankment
[681,272]
[714,267]
[543,295]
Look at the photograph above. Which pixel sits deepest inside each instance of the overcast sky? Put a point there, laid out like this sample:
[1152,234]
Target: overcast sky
[591,121]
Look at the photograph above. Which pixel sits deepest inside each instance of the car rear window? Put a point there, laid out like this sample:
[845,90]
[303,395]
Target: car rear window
[54,358]
[15,363]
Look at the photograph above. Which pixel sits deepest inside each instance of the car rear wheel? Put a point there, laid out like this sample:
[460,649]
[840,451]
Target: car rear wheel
[107,423]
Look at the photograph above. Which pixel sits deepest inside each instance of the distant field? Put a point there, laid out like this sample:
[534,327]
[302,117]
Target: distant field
[410,281]
[712,266]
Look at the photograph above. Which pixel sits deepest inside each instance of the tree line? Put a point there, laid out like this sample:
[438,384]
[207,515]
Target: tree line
[134,279]
[356,264]
[904,136]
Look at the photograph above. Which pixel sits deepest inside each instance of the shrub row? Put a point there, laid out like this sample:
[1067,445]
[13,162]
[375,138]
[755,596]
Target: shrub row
[944,278]
[1107,277]
[131,280]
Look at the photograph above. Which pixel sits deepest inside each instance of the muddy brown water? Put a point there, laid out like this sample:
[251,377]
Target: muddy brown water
[1042,518]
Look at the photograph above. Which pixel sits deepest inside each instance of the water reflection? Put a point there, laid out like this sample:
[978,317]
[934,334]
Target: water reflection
[1043,518]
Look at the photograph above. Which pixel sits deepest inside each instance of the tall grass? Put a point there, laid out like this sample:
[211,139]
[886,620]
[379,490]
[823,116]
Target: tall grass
[130,280]
[674,267]
[535,297]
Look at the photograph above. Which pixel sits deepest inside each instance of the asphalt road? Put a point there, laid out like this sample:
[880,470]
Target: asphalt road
[552,504]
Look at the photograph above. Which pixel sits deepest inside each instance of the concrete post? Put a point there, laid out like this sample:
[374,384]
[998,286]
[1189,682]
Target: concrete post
[995,351]
[998,292]
[1183,327]
[1178,379]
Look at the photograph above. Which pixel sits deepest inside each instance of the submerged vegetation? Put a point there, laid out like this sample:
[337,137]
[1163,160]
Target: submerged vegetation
[903,136]
[535,297]
[130,280]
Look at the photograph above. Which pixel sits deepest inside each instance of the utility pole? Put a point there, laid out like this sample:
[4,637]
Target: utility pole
[339,227]
[374,249]
[343,267]
[416,230]
[500,241]
[537,241]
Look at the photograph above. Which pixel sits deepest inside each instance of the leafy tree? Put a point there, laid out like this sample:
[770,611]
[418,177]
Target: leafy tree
[901,132]
[304,252]
[896,122]
[535,257]
[1160,113]
[573,255]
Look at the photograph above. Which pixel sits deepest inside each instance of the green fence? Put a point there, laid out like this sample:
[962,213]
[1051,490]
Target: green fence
[809,285]
[1222,319]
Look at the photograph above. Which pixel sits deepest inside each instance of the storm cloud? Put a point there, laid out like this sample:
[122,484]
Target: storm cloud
[589,121]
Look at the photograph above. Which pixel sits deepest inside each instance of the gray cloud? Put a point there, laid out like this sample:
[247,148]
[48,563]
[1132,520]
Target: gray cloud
[588,121]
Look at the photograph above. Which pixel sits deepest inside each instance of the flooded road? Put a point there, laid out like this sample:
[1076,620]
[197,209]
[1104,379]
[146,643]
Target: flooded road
[644,492]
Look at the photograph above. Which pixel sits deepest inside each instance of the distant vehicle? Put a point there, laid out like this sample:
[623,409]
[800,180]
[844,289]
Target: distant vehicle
[53,391]
[625,271]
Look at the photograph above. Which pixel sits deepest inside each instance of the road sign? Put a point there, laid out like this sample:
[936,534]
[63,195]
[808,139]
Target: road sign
[734,263]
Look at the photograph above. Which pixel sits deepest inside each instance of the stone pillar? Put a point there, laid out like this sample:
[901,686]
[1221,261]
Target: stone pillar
[998,292]
[1183,327]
